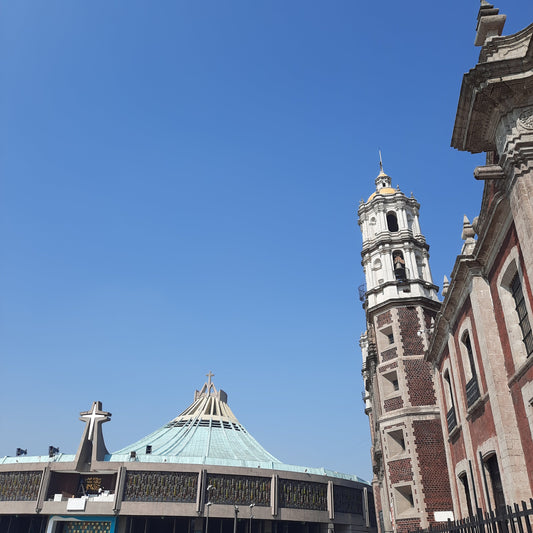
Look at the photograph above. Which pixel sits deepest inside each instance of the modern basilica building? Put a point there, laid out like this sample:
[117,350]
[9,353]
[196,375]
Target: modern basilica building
[200,472]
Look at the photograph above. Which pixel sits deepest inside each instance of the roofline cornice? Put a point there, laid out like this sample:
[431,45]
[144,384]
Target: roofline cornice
[466,268]
[490,90]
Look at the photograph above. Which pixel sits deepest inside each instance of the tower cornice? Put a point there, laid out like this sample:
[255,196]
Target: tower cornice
[384,240]
[390,303]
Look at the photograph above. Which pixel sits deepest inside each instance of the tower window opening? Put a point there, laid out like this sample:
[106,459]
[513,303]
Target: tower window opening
[391,384]
[400,272]
[396,442]
[404,499]
[392,221]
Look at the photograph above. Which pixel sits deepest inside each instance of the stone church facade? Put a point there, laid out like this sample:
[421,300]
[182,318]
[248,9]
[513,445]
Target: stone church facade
[482,346]
[472,354]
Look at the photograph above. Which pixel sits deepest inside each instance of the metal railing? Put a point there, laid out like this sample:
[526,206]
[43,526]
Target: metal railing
[509,519]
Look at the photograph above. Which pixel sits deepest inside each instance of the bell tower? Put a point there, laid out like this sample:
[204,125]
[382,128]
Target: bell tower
[411,487]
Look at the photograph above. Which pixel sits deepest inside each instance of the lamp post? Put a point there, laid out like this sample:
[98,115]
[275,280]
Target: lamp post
[252,505]
[236,509]
[208,504]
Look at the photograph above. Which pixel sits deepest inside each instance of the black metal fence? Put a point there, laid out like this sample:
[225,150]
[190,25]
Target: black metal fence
[509,519]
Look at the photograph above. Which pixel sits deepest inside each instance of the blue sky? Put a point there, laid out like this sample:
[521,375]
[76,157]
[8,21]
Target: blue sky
[179,190]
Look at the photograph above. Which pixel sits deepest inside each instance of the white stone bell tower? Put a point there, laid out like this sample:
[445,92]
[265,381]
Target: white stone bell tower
[395,253]
[400,300]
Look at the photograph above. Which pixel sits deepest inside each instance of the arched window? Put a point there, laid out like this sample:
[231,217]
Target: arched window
[523,319]
[516,308]
[490,464]
[392,221]
[463,478]
[400,272]
[451,417]
[472,386]
[420,265]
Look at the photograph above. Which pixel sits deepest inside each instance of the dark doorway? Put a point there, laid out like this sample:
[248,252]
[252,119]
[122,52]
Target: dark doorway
[491,464]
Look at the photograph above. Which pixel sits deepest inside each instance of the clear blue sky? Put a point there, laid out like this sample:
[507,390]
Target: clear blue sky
[179,190]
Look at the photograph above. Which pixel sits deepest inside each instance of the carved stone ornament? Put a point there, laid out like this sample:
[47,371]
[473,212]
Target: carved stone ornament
[525,119]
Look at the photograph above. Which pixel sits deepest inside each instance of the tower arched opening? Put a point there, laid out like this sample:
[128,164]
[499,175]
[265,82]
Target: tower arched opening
[392,221]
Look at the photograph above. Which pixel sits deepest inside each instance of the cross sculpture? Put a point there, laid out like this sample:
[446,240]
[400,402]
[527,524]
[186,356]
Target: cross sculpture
[93,417]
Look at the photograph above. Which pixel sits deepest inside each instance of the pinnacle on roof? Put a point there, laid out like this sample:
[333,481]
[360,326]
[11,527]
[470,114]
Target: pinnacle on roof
[489,23]
[209,403]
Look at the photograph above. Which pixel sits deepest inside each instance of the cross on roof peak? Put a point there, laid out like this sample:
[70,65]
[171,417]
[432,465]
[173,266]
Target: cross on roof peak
[209,388]
[94,416]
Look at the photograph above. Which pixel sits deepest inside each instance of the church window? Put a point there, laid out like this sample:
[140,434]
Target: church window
[516,308]
[490,463]
[466,492]
[392,221]
[523,318]
[472,386]
[451,417]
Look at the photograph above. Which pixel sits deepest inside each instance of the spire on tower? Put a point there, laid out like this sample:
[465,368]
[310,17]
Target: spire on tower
[382,180]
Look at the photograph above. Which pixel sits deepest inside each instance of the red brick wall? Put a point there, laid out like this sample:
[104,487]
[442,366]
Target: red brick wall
[429,445]
[389,354]
[383,319]
[407,524]
[419,382]
[400,470]
[393,403]
[409,328]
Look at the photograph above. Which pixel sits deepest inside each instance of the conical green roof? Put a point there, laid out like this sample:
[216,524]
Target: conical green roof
[207,431]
